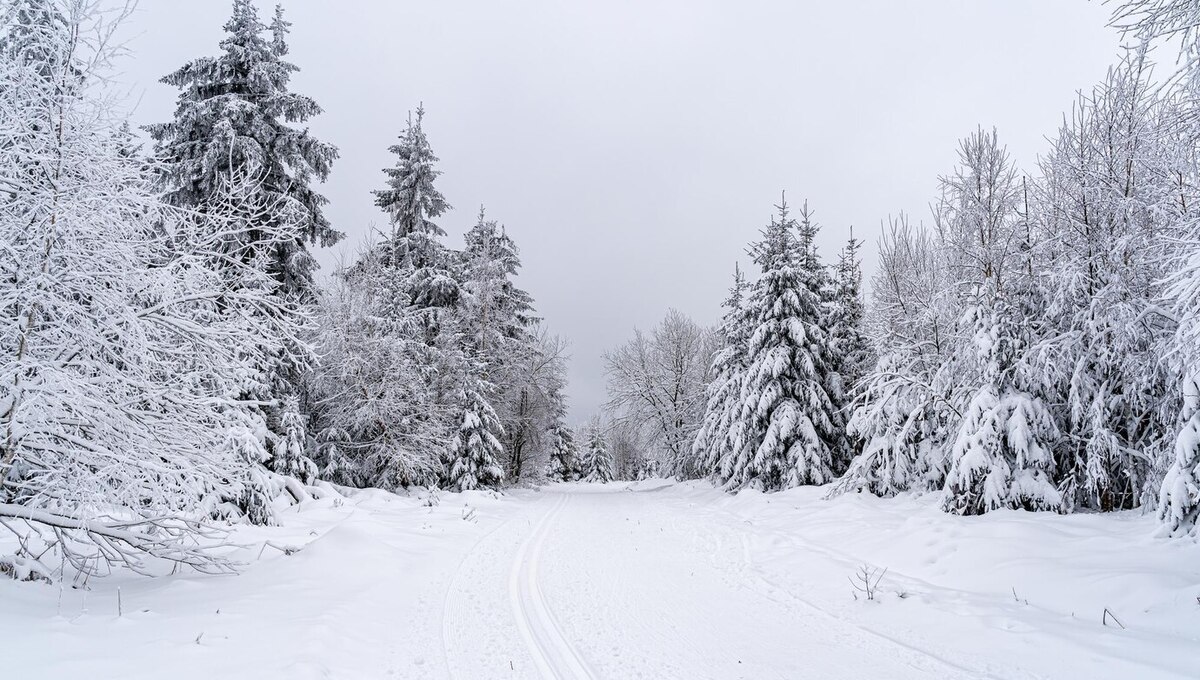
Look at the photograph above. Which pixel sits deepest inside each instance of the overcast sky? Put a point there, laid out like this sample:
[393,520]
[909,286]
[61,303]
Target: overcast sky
[633,147]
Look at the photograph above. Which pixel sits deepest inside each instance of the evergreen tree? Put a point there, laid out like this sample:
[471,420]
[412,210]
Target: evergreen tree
[234,117]
[289,449]
[853,350]
[715,440]
[474,455]
[564,455]
[1001,454]
[500,314]
[122,362]
[497,322]
[788,420]
[233,124]
[595,463]
[833,319]
[414,247]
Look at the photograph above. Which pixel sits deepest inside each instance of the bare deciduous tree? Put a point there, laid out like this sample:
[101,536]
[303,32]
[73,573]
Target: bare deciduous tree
[656,383]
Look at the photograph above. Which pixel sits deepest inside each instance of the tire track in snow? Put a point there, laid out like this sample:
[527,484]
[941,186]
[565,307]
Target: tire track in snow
[553,654]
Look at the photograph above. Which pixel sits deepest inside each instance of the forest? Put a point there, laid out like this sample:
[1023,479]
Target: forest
[174,364]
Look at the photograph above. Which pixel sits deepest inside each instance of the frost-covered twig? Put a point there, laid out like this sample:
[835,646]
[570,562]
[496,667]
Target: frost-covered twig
[866,581]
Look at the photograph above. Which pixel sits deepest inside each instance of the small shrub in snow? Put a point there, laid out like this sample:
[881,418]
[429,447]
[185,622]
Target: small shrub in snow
[866,581]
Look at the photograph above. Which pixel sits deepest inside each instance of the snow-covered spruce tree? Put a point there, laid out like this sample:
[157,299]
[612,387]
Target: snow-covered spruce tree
[826,284]
[423,276]
[1002,451]
[456,326]
[788,421]
[499,317]
[595,464]
[564,463]
[852,347]
[122,365]
[473,458]
[905,408]
[716,440]
[235,115]
[499,328]
[414,247]
[289,451]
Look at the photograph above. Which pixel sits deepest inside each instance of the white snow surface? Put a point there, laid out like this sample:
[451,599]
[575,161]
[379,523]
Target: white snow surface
[652,580]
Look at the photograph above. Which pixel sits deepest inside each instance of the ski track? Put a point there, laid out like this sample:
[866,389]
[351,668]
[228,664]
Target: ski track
[554,656]
[702,557]
[621,584]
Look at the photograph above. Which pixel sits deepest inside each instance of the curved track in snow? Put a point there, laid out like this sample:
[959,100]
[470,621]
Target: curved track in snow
[587,582]
[554,656]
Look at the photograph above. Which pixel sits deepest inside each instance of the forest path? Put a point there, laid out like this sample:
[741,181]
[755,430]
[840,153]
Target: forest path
[610,582]
[635,581]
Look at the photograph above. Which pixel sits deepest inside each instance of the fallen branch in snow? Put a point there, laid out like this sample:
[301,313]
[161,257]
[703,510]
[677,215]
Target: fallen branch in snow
[1107,615]
[24,569]
[296,490]
[87,544]
[285,549]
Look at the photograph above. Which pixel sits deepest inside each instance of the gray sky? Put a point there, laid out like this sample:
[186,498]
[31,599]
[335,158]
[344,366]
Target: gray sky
[633,147]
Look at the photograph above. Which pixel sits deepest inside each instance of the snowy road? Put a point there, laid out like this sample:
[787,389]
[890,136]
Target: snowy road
[646,581]
[610,584]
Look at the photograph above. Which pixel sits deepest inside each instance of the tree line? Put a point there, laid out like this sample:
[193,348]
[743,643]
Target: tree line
[1035,347]
[170,359]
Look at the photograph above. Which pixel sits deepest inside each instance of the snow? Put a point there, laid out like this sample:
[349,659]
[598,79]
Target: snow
[645,580]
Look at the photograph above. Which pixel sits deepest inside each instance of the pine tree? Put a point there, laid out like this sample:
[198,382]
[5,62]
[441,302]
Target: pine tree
[497,314]
[289,449]
[715,440]
[233,122]
[497,322]
[854,353]
[412,203]
[1002,452]
[122,363]
[595,463]
[234,117]
[788,420]
[474,455]
[564,455]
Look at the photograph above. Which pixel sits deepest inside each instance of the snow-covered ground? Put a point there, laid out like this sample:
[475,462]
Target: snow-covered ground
[651,580]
